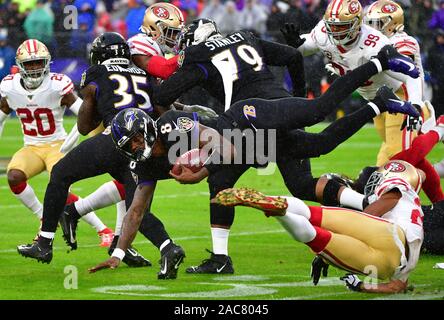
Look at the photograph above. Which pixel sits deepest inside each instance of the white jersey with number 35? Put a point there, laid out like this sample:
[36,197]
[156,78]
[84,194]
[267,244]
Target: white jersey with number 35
[344,59]
[40,111]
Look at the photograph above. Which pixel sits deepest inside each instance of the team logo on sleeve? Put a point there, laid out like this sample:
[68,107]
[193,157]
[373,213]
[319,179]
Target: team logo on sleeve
[249,111]
[161,12]
[82,81]
[395,167]
[135,177]
[389,8]
[185,124]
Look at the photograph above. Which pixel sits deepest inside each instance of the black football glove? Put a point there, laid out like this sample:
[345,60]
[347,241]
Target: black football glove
[318,267]
[413,123]
[292,36]
[352,282]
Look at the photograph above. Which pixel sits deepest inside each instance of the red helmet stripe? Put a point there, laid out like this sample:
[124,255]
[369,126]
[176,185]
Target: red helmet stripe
[28,47]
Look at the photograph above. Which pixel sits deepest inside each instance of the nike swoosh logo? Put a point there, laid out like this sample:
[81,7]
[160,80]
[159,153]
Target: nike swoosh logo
[164,269]
[178,263]
[132,252]
[70,234]
[396,101]
[412,66]
[221,268]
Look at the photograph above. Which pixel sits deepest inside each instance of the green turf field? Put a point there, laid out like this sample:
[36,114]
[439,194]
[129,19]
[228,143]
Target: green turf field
[268,263]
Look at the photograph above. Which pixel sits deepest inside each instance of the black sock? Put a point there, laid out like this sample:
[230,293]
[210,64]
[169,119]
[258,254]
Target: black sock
[71,208]
[45,242]
[167,247]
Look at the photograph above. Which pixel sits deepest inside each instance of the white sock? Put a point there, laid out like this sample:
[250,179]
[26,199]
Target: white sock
[351,198]
[220,240]
[298,206]
[94,221]
[440,131]
[106,195]
[121,212]
[164,244]
[439,167]
[47,235]
[29,199]
[377,64]
[298,226]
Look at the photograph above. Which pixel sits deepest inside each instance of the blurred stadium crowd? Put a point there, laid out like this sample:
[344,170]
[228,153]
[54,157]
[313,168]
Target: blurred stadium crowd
[45,20]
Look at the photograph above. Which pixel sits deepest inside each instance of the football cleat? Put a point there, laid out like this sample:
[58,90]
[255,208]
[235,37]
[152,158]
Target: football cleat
[106,237]
[218,264]
[68,222]
[398,62]
[392,103]
[170,261]
[35,251]
[272,206]
[132,258]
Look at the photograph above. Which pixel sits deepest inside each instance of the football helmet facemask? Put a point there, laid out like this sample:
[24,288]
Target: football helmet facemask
[163,22]
[134,133]
[394,169]
[386,16]
[343,20]
[33,59]
[200,30]
[109,47]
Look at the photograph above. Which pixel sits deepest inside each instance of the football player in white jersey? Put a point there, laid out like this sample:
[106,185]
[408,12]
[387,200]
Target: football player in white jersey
[161,26]
[383,242]
[39,98]
[388,17]
[348,43]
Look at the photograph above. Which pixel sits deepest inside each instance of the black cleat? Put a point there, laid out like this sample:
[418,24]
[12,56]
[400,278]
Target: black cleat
[393,104]
[218,263]
[397,62]
[132,258]
[68,221]
[35,251]
[170,261]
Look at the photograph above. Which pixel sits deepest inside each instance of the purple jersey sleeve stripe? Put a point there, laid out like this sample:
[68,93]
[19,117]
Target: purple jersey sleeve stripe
[203,69]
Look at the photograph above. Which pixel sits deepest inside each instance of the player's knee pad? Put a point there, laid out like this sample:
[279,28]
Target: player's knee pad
[330,193]
[303,187]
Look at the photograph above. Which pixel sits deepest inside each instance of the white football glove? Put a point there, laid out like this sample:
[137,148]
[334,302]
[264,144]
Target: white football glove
[430,122]
[352,282]
[71,140]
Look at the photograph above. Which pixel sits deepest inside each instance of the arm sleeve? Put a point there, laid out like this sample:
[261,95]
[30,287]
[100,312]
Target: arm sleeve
[309,47]
[414,86]
[160,67]
[3,117]
[183,80]
[282,55]
[276,54]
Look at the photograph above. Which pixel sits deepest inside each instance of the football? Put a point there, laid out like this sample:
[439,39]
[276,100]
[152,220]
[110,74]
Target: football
[190,159]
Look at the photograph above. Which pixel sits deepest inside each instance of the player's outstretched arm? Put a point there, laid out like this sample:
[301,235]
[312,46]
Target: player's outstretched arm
[131,223]
[4,113]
